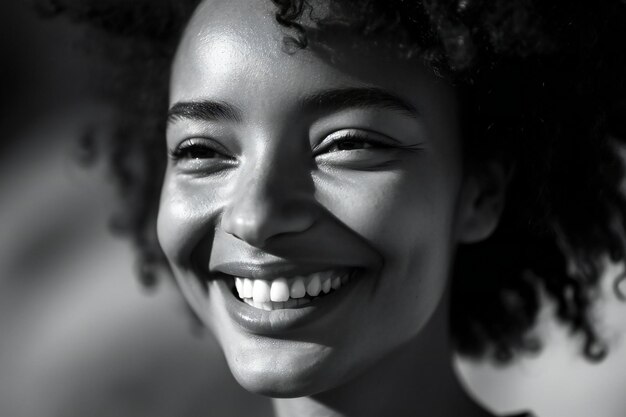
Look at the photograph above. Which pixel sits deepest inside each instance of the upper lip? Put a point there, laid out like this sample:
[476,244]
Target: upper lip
[269,271]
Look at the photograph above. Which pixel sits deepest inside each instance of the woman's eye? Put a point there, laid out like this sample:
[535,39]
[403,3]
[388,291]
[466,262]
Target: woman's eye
[200,155]
[350,143]
[198,148]
[361,150]
[195,152]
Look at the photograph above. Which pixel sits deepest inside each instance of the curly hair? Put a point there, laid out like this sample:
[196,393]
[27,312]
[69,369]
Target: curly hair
[542,89]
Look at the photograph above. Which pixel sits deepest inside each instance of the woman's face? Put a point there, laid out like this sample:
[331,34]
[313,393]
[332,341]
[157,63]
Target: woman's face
[289,170]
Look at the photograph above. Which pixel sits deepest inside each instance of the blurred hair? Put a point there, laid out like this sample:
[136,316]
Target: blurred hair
[542,90]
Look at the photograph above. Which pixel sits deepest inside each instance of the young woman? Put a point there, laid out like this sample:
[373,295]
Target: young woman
[353,190]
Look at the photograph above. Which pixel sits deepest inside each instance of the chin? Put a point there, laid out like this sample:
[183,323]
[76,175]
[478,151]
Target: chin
[275,385]
[284,373]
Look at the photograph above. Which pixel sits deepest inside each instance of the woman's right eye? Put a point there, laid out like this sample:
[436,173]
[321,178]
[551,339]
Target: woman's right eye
[194,152]
[200,154]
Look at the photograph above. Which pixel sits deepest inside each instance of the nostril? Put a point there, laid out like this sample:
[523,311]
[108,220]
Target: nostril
[256,227]
[244,226]
[251,237]
[265,206]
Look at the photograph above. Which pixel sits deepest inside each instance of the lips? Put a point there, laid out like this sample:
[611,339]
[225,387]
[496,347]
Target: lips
[281,297]
[269,271]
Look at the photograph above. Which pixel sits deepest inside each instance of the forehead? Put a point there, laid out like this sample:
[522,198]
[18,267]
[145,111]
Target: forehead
[236,41]
[233,51]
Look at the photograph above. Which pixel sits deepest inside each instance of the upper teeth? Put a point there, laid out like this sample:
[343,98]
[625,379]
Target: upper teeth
[282,289]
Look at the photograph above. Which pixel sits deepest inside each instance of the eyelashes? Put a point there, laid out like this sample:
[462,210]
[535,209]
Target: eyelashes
[353,141]
[201,156]
[347,148]
[197,148]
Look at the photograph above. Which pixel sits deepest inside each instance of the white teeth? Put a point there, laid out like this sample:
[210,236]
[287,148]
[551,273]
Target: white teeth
[314,286]
[298,290]
[326,285]
[336,283]
[279,290]
[282,293]
[239,286]
[261,291]
[247,288]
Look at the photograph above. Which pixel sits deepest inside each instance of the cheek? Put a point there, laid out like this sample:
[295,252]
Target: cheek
[406,215]
[188,212]
[400,212]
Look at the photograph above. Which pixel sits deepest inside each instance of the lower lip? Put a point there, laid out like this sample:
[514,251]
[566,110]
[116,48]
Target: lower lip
[274,322]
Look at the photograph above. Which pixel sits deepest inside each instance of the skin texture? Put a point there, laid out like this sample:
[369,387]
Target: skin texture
[275,183]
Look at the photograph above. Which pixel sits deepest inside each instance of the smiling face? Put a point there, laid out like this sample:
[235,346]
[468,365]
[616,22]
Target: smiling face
[287,173]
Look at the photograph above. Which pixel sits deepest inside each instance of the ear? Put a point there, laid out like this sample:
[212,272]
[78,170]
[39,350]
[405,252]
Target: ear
[481,202]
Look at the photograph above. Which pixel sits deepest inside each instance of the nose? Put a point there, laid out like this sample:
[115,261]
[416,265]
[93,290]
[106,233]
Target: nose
[274,198]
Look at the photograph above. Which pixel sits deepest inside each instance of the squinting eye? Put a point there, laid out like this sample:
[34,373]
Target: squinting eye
[351,142]
[195,152]
[197,148]
[201,155]
[349,145]
[361,149]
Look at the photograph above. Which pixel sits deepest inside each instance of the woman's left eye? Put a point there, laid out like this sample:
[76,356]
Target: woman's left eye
[350,145]
[350,142]
[362,150]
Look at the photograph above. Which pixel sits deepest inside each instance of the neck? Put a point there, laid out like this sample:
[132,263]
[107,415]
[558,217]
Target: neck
[417,379]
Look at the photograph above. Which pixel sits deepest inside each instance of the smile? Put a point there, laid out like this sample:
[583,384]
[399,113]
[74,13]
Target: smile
[290,292]
[272,299]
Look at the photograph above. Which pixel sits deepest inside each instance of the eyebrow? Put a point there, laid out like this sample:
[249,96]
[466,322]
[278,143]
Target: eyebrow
[203,110]
[345,98]
[326,100]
